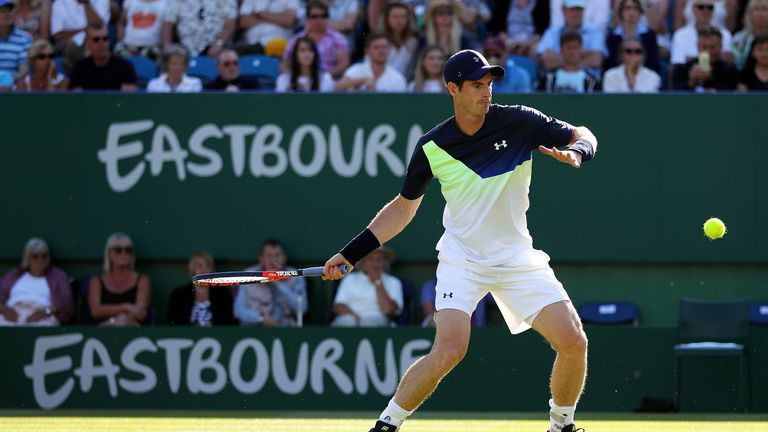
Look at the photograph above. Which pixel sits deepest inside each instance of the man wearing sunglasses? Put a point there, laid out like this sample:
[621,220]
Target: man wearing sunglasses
[685,39]
[101,70]
[229,79]
[14,44]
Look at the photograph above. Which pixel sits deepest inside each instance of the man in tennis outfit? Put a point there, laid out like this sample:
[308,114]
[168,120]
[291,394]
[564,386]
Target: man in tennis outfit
[482,157]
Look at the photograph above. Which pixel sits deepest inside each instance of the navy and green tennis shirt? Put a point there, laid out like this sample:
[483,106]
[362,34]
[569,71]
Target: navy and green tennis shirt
[485,179]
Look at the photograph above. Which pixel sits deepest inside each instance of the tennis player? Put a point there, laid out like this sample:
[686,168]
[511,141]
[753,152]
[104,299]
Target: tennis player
[482,157]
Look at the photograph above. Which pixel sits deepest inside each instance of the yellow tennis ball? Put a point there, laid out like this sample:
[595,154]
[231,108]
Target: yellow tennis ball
[714,228]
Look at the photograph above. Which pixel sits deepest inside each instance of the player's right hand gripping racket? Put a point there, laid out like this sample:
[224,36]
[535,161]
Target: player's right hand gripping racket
[250,277]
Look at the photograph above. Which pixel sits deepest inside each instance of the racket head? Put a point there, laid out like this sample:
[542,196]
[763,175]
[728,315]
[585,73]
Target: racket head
[232,278]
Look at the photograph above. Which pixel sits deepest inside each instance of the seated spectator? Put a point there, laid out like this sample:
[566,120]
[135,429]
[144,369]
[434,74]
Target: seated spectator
[593,41]
[305,74]
[200,306]
[138,30]
[474,15]
[42,75]
[631,76]
[427,302]
[723,13]
[331,45]
[373,74]
[264,20]
[34,17]
[597,14]
[399,24]
[709,72]
[754,76]
[520,23]
[571,77]
[684,41]
[204,27]
[515,79]
[69,22]
[119,296]
[370,297]
[755,23]
[442,27]
[631,27]
[654,16]
[101,70]
[229,79]
[35,293]
[343,16]
[14,43]
[175,78]
[429,71]
[273,304]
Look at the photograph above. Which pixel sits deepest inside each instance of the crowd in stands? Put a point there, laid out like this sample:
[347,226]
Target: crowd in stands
[575,46]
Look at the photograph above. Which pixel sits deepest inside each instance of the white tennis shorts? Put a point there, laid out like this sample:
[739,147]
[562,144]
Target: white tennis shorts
[520,292]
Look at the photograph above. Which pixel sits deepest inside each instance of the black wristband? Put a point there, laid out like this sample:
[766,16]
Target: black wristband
[360,246]
[584,148]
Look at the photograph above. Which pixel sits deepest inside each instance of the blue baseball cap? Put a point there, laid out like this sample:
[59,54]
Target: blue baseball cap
[568,4]
[6,2]
[469,65]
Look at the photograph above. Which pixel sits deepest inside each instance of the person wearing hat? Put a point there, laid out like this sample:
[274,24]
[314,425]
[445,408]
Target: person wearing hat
[482,158]
[593,40]
[371,297]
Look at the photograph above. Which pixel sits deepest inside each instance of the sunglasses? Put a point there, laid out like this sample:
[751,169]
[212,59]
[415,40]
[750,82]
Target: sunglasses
[440,12]
[44,56]
[39,255]
[230,63]
[318,16]
[633,50]
[122,249]
[705,7]
[100,38]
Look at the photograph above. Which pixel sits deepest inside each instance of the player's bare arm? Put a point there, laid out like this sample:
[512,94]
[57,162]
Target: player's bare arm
[388,222]
[581,139]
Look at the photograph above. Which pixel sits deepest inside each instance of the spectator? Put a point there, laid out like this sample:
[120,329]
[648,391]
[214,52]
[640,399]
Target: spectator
[723,13]
[200,306]
[305,74]
[119,296]
[42,75]
[203,26]
[474,16]
[343,17]
[631,27]
[593,41]
[755,23]
[69,22]
[631,76]
[274,304]
[175,78]
[520,23]
[684,41]
[754,76]
[571,77]
[709,72]
[442,27]
[229,79]
[427,302]
[101,70]
[332,45]
[14,43]
[6,81]
[138,30]
[515,79]
[373,74]
[429,71]
[371,297]
[264,20]
[399,24]
[34,17]
[654,17]
[597,14]
[35,293]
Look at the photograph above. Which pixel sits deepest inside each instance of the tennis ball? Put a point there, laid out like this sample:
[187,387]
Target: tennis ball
[714,228]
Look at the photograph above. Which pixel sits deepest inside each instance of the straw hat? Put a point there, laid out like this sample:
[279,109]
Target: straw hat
[389,254]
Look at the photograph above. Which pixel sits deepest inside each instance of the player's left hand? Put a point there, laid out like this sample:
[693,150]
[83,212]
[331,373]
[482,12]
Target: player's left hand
[570,157]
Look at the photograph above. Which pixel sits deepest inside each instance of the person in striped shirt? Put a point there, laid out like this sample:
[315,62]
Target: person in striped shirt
[14,43]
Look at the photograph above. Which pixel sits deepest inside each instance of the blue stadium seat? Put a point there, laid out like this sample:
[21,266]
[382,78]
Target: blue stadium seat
[59,62]
[263,68]
[525,63]
[145,68]
[609,313]
[203,68]
[758,312]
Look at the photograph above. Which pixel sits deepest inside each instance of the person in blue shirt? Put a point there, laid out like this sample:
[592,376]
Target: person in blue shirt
[516,79]
[593,40]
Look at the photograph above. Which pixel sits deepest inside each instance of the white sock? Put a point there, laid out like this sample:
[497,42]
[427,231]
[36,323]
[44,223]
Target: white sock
[394,414]
[560,416]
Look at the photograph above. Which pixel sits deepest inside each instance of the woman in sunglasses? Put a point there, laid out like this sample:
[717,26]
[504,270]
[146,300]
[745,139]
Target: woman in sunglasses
[631,26]
[42,75]
[119,296]
[35,293]
[631,76]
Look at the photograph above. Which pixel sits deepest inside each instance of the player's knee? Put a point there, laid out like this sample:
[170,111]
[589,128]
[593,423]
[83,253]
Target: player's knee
[449,355]
[574,342]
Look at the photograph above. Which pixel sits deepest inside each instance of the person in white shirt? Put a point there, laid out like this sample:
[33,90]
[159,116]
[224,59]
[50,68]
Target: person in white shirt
[138,31]
[631,76]
[685,39]
[306,74]
[373,74]
[175,79]
[264,20]
[69,18]
[429,71]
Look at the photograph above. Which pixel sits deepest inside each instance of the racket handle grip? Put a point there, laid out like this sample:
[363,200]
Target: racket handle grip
[318,271]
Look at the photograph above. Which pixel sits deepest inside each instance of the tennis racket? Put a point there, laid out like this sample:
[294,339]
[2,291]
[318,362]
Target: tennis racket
[251,277]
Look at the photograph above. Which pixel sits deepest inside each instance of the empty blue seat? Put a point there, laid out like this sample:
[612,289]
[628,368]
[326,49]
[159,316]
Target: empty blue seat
[758,313]
[609,313]
[527,64]
[145,68]
[264,68]
[203,68]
